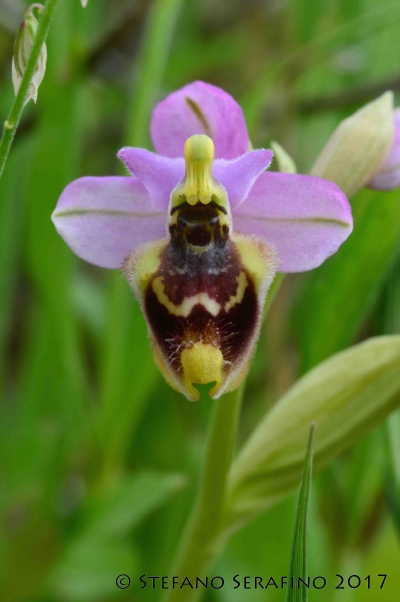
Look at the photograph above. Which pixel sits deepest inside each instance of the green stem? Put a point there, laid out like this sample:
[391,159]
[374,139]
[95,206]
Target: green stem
[10,126]
[201,540]
[199,544]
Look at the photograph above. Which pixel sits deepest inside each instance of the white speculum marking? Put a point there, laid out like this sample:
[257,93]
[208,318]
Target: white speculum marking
[212,306]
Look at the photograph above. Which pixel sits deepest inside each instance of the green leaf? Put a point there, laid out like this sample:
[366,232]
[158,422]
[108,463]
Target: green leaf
[338,296]
[298,561]
[135,498]
[13,196]
[50,263]
[347,396]
[98,554]
[392,477]
[89,569]
[360,29]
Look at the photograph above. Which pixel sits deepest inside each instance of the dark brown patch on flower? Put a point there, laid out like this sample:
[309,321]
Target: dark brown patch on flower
[230,331]
[202,292]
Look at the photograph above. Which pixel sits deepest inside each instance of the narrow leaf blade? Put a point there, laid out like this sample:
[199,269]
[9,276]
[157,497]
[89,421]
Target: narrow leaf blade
[298,561]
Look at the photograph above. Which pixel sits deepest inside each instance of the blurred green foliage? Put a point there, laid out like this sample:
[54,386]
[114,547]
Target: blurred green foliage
[99,458]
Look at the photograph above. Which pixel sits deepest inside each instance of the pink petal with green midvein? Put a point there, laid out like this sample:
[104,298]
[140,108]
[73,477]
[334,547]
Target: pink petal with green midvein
[388,177]
[199,108]
[305,217]
[103,219]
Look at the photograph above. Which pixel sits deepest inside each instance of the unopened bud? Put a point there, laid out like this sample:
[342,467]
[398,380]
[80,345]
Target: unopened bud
[284,160]
[22,50]
[388,177]
[84,3]
[358,147]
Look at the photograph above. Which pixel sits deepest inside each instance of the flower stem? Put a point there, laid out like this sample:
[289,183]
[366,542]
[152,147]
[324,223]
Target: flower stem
[199,543]
[11,124]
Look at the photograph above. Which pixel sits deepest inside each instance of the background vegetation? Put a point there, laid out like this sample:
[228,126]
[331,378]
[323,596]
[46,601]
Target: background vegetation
[100,459]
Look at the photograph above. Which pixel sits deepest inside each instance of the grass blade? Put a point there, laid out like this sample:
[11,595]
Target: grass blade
[298,561]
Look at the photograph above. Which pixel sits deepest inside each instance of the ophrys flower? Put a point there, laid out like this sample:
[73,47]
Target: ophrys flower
[229,226]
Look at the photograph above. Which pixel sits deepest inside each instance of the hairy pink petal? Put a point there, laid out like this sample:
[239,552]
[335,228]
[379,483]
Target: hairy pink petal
[388,177]
[199,108]
[158,174]
[103,219]
[239,175]
[305,217]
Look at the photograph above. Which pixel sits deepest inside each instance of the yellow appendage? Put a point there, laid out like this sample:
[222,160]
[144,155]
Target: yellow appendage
[201,364]
[199,185]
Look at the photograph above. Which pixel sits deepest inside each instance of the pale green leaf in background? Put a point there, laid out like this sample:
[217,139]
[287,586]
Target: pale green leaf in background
[136,497]
[89,569]
[347,396]
[98,553]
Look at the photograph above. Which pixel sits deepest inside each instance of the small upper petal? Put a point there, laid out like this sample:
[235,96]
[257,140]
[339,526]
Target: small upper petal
[239,175]
[199,108]
[103,219]
[158,174]
[388,176]
[307,218]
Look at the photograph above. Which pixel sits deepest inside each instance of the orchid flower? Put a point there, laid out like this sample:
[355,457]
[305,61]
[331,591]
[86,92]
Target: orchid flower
[199,230]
